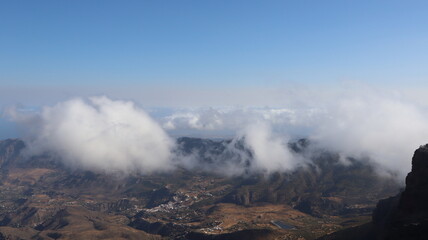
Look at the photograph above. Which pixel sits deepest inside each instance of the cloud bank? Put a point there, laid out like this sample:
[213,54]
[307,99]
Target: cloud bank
[383,129]
[109,135]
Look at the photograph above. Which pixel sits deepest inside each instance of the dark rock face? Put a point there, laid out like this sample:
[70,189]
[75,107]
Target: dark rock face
[414,200]
[410,218]
[384,211]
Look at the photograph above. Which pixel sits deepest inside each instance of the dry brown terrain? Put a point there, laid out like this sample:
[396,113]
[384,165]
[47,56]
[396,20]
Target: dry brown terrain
[41,199]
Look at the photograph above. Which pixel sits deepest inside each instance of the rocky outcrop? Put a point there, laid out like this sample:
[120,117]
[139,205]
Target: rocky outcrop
[414,200]
[407,218]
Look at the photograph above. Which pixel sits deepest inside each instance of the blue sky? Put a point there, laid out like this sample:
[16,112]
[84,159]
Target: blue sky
[351,74]
[212,43]
[186,53]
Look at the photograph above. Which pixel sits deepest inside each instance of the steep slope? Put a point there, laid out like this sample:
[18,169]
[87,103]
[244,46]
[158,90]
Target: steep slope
[407,214]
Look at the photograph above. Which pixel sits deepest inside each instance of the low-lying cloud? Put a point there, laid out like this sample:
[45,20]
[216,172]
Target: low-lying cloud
[270,152]
[103,134]
[383,129]
[100,134]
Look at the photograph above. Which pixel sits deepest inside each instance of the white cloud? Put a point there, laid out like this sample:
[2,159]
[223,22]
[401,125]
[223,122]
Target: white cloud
[100,134]
[386,130]
[365,124]
[362,123]
[271,153]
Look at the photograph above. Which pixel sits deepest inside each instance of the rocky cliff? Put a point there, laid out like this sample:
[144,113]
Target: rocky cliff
[406,216]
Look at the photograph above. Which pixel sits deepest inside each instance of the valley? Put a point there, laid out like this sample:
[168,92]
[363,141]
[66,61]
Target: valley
[40,198]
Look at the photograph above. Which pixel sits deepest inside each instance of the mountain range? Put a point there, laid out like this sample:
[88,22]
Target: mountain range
[43,198]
